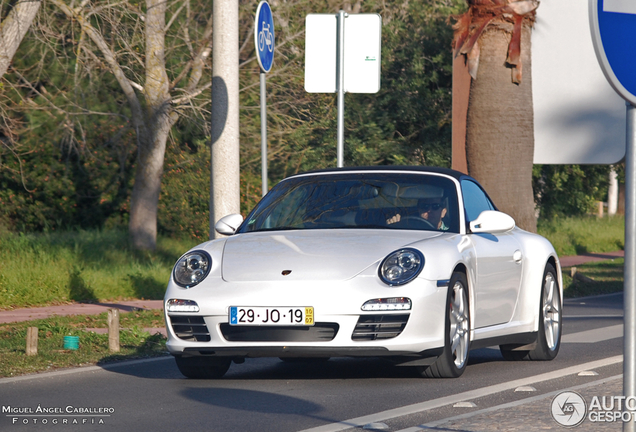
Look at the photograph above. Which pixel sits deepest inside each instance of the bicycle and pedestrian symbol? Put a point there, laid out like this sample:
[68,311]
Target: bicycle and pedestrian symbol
[264,36]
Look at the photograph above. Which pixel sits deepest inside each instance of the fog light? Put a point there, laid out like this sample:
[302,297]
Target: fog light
[387,304]
[178,305]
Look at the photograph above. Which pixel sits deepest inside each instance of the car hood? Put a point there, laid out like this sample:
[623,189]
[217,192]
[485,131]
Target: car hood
[310,254]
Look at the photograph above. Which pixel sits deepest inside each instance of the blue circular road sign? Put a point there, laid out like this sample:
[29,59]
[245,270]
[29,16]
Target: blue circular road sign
[613,25]
[264,36]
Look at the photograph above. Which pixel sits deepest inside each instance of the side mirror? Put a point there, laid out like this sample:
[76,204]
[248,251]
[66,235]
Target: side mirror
[228,225]
[492,222]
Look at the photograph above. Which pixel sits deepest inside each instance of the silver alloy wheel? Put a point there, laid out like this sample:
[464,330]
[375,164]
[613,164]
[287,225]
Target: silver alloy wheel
[459,325]
[551,311]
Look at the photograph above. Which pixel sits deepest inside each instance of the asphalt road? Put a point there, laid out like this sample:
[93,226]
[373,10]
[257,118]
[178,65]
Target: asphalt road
[341,394]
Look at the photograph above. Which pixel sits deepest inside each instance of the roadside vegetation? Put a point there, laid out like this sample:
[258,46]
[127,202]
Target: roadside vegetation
[40,269]
[588,234]
[604,277]
[135,342]
[576,235]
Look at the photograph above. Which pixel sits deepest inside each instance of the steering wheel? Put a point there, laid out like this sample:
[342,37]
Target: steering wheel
[418,219]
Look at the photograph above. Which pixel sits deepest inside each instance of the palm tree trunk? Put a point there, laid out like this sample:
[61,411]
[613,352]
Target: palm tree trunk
[500,126]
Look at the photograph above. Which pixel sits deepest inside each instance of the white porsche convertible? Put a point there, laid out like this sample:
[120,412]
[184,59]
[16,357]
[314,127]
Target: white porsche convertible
[410,263]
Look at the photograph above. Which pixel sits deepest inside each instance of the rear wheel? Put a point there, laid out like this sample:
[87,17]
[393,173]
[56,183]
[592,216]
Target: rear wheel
[549,337]
[203,367]
[452,362]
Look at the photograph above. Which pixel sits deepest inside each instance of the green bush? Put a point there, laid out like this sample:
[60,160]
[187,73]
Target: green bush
[569,190]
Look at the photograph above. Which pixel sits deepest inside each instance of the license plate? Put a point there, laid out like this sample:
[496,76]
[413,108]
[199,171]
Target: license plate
[274,316]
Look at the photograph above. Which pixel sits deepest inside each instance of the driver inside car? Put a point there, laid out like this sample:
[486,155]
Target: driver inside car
[432,210]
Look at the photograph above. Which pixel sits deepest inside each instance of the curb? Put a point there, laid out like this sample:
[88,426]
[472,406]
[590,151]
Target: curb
[29,314]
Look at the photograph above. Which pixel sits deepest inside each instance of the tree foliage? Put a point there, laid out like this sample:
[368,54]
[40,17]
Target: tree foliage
[72,144]
[569,190]
[407,122]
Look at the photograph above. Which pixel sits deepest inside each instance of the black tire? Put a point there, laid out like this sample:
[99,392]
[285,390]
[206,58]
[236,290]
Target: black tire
[550,317]
[203,367]
[454,358]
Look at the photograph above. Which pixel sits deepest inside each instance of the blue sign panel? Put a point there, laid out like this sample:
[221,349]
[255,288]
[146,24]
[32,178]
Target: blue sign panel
[264,36]
[613,25]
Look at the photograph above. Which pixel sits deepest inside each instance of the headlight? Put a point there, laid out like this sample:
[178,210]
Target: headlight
[401,266]
[192,268]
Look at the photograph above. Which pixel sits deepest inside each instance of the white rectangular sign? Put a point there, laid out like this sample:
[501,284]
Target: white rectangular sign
[321,41]
[578,117]
[362,44]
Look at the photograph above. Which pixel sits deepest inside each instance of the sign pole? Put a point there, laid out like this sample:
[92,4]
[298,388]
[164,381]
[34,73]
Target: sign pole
[340,77]
[629,287]
[264,135]
[264,43]
[613,28]
[325,54]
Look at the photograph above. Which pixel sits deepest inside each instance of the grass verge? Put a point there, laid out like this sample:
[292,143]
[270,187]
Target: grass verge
[84,266]
[91,266]
[607,278]
[93,349]
[578,235]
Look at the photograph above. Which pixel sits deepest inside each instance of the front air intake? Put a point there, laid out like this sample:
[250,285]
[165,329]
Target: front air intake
[190,328]
[381,326]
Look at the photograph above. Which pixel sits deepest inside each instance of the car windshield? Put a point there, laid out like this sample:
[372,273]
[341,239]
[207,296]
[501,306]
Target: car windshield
[358,200]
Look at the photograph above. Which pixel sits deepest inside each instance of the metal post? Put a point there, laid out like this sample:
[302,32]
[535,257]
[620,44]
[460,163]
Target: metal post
[264,134]
[629,287]
[340,79]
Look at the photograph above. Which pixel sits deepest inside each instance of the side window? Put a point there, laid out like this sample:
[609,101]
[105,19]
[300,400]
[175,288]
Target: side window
[475,200]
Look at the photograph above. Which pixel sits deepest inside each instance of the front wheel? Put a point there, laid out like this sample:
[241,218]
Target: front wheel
[549,337]
[454,358]
[203,367]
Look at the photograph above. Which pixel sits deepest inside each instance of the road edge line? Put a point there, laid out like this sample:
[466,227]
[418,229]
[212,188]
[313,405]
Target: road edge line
[471,394]
[436,423]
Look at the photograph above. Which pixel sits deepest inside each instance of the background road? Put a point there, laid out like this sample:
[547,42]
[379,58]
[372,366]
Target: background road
[270,395]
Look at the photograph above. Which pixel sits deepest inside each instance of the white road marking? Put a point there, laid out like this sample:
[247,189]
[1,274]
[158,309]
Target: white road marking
[593,336]
[620,6]
[508,405]
[452,399]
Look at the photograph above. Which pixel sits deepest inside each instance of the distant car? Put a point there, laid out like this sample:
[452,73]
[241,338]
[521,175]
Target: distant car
[412,264]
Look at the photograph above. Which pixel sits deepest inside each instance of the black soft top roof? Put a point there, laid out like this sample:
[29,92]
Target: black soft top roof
[424,169]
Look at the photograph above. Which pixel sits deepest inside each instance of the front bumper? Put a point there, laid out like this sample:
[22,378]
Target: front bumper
[342,329]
